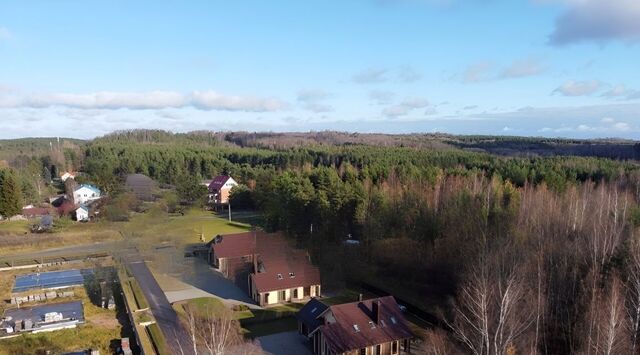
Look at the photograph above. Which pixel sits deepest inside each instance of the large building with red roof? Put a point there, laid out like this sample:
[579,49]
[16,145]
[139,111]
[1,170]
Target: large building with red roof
[371,327]
[275,271]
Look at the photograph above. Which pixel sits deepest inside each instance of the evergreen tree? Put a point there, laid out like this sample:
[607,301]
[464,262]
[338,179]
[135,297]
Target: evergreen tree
[10,194]
[46,175]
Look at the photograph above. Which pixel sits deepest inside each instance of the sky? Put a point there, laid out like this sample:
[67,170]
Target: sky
[553,68]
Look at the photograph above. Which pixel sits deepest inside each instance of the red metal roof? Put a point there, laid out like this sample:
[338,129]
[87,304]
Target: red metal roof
[235,245]
[35,212]
[275,257]
[357,326]
[218,182]
[292,270]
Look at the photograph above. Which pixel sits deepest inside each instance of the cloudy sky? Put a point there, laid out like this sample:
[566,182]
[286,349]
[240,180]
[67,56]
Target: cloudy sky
[560,68]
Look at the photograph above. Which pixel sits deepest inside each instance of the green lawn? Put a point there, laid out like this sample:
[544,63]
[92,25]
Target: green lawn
[156,225]
[203,306]
[280,325]
[143,229]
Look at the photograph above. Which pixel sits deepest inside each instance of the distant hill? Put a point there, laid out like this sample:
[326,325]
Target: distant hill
[497,145]
[65,151]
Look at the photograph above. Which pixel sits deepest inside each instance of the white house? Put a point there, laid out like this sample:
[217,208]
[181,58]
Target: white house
[220,189]
[82,213]
[85,193]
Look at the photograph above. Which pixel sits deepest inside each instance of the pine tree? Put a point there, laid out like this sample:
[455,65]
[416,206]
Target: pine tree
[10,194]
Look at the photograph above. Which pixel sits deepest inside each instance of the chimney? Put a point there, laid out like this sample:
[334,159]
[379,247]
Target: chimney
[360,297]
[375,309]
[255,263]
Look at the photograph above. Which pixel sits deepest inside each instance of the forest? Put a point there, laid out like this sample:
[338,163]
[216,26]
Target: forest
[515,253]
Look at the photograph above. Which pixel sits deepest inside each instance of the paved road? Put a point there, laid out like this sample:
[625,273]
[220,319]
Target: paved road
[165,315]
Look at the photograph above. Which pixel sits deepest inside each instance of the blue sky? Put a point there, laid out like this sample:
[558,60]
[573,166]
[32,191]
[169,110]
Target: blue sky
[564,68]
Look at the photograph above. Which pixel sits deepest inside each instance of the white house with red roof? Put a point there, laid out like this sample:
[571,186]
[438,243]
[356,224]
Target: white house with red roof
[220,189]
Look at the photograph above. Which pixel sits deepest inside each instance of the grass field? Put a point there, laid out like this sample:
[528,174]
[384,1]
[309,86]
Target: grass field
[143,230]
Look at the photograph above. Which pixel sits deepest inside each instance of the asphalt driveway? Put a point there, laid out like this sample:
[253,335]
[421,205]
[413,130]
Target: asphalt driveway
[286,343]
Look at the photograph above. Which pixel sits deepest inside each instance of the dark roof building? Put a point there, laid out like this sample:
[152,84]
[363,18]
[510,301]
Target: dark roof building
[375,326]
[309,316]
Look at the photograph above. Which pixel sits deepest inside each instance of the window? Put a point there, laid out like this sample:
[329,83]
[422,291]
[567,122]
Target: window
[394,347]
[356,328]
[292,275]
[282,295]
[363,351]
[378,350]
[372,325]
[279,276]
[393,320]
[295,293]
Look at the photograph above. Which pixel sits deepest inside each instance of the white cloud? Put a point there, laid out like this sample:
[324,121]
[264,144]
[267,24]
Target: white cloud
[408,74]
[477,72]
[597,20]
[204,100]
[212,100]
[403,74]
[381,97]
[621,126]
[522,68]
[519,68]
[579,88]
[621,92]
[405,107]
[371,76]
[312,95]
[313,100]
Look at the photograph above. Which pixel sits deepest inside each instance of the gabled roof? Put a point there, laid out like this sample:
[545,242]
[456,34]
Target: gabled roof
[234,245]
[357,326]
[287,271]
[280,266]
[35,212]
[218,182]
[310,312]
[88,186]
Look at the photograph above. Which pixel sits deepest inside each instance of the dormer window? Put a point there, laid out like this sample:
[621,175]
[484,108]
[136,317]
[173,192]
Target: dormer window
[356,328]
[372,325]
[292,275]
[280,277]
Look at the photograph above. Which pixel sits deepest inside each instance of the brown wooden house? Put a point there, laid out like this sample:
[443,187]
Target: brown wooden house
[371,327]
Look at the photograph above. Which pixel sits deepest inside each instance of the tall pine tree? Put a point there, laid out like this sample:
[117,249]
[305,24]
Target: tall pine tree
[10,194]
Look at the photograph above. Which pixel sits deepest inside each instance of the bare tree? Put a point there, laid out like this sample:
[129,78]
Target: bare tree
[492,312]
[633,295]
[610,335]
[215,333]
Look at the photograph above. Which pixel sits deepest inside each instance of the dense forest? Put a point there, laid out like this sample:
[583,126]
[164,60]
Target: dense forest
[521,252]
